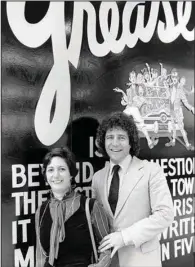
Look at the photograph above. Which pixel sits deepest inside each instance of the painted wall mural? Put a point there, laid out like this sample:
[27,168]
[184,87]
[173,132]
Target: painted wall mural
[65,65]
[155,101]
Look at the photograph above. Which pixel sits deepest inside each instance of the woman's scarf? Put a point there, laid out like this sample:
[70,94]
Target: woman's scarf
[60,211]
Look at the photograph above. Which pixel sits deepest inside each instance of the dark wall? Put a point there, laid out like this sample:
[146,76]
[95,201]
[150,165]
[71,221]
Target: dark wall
[25,71]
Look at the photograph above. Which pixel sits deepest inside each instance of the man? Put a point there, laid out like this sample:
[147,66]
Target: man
[178,100]
[135,197]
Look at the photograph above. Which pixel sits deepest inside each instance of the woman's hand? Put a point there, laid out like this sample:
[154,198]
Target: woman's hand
[113,240]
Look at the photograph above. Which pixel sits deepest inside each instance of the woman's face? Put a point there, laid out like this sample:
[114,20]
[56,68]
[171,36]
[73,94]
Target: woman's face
[58,175]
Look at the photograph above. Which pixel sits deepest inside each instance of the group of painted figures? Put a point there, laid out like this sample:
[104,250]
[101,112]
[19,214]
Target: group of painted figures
[153,92]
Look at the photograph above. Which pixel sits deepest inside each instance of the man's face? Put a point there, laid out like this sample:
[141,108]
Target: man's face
[117,144]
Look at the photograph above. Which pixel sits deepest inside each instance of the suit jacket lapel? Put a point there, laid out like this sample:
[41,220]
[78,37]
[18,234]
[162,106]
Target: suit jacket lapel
[104,189]
[132,177]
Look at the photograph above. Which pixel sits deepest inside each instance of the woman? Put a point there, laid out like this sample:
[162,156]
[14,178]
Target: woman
[63,237]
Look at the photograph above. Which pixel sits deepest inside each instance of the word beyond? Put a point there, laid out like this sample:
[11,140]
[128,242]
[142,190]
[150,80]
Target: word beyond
[53,25]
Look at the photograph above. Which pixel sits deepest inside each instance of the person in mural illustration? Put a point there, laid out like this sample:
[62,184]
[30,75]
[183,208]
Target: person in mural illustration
[150,76]
[177,100]
[134,194]
[133,105]
[140,79]
[131,90]
[162,78]
[63,238]
[154,75]
[181,85]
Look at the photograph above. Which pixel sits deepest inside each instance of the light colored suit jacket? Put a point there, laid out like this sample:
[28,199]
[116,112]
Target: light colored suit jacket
[143,211]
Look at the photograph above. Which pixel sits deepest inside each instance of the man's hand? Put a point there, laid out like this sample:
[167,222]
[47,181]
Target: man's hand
[114,240]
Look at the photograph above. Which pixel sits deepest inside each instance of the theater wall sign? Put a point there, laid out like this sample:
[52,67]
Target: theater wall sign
[66,65]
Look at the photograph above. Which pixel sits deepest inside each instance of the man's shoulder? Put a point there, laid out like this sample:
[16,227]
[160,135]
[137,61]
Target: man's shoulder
[138,161]
[99,172]
[146,163]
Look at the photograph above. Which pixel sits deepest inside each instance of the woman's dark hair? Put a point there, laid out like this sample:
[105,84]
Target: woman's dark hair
[65,154]
[118,120]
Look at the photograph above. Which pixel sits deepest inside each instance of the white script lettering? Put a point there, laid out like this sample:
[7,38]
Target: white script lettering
[57,85]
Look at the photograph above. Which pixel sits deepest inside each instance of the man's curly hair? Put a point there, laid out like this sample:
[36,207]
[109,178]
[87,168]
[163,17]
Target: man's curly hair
[118,120]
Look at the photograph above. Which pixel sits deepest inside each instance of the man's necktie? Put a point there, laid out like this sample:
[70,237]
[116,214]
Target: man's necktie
[114,188]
